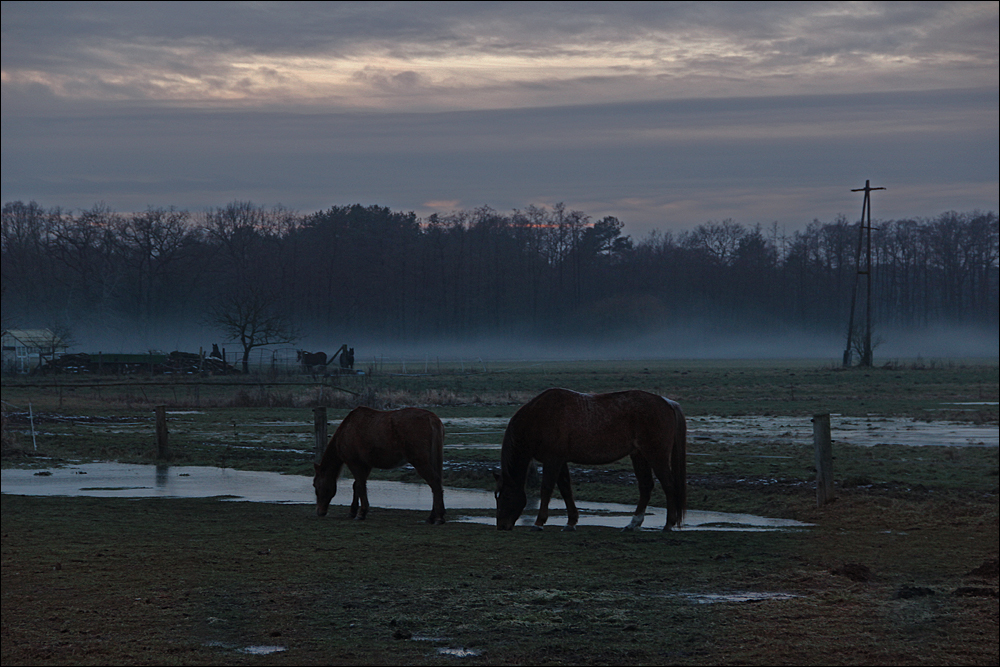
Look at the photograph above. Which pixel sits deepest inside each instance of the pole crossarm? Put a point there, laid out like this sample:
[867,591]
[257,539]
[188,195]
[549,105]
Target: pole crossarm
[866,189]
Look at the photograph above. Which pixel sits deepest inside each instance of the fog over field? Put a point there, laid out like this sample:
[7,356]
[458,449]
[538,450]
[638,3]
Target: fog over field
[695,340]
[534,284]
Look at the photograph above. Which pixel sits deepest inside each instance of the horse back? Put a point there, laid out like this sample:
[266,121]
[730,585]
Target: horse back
[564,425]
[388,439]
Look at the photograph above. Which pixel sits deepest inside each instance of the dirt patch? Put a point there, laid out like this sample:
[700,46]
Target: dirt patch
[990,569]
[855,572]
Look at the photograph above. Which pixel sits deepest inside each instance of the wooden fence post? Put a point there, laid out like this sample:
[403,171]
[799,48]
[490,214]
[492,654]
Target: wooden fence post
[824,459]
[319,428]
[162,450]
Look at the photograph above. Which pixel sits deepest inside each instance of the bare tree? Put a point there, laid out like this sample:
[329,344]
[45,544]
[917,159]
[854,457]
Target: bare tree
[86,246]
[151,244]
[58,336]
[249,315]
[720,240]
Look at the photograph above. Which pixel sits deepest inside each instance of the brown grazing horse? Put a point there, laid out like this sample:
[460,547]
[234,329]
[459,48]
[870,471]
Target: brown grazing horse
[310,359]
[560,426]
[369,439]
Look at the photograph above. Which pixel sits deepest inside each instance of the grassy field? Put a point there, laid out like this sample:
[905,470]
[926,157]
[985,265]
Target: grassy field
[900,569]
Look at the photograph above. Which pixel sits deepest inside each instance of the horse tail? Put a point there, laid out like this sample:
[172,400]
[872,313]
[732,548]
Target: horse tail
[437,447]
[678,462]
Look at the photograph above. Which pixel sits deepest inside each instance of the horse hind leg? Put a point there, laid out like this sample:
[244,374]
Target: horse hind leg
[644,479]
[437,511]
[352,513]
[566,489]
[673,511]
[433,480]
[549,474]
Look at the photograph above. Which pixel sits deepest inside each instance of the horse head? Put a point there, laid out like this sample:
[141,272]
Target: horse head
[510,503]
[298,356]
[325,483]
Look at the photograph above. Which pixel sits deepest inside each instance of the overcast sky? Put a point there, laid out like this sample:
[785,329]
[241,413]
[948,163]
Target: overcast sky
[665,115]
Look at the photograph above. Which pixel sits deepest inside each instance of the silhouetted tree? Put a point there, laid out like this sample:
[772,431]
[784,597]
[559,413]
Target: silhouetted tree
[250,315]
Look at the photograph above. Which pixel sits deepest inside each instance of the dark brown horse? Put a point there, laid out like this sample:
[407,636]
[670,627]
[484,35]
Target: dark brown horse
[310,359]
[369,439]
[560,426]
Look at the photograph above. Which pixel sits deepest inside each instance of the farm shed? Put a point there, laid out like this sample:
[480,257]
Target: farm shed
[26,349]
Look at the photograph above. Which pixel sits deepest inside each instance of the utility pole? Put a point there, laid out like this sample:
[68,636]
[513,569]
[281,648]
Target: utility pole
[864,239]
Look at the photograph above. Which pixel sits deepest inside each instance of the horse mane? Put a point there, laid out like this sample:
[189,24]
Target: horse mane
[514,460]
[331,459]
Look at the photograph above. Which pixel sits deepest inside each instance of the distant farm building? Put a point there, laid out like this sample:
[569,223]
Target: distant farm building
[24,350]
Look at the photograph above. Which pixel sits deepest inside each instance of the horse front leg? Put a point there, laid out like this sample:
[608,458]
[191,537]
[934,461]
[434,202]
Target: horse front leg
[359,505]
[566,489]
[644,479]
[545,494]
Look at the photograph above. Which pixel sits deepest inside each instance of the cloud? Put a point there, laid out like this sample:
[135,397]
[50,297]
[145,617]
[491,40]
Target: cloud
[494,55]
[662,114]
[652,164]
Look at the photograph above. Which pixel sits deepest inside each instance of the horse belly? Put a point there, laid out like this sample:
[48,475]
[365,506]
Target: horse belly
[589,450]
[385,459]
[600,458]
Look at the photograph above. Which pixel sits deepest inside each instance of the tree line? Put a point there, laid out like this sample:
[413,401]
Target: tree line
[355,270]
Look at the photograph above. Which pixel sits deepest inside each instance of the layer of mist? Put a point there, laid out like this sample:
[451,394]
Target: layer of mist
[694,340]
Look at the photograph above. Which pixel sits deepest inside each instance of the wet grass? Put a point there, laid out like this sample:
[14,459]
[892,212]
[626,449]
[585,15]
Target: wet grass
[913,388]
[107,581]
[213,421]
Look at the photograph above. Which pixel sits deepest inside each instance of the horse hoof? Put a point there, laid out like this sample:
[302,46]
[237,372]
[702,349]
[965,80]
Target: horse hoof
[569,529]
[536,527]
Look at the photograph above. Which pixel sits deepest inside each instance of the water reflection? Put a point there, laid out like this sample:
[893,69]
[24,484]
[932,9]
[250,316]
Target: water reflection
[744,596]
[122,480]
[262,650]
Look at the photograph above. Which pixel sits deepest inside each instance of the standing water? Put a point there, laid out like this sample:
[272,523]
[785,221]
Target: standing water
[123,480]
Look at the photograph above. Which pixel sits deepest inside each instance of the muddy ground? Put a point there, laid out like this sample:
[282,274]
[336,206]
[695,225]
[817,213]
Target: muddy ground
[880,579]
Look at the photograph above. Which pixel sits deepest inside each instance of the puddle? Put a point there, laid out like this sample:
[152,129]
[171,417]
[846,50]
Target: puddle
[473,431]
[974,403]
[612,515]
[305,452]
[122,480]
[459,652]
[713,598]
[262,650]
[250,650]
[861,431]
